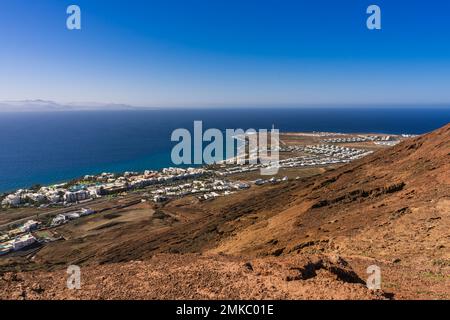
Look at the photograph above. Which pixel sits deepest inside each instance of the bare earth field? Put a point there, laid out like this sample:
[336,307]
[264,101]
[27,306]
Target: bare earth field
[307,238]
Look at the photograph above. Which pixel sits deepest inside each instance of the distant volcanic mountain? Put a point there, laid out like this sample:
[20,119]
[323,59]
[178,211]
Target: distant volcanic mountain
[46,105]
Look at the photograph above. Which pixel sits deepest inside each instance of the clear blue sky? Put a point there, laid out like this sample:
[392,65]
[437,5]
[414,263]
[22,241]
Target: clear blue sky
[225,52]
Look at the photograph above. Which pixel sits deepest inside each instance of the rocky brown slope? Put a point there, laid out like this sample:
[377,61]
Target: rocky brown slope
[394,202]
[391,209]
[194,276]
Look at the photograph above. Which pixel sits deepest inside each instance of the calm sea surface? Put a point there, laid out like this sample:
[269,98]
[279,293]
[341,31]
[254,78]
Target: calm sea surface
[53,147]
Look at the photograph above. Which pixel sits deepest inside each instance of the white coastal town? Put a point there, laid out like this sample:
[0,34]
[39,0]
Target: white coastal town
[62,203]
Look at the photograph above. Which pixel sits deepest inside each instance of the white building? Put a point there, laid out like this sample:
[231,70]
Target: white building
[58,220]
[11,200]
[86,212]
[76,196]
[53,196]
[30,225]
[36,197]
[23,241]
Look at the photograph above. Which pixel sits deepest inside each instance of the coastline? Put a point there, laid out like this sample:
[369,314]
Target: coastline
[64,146]
[328,149]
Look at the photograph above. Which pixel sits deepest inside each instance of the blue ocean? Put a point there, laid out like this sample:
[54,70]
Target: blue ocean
[51,147]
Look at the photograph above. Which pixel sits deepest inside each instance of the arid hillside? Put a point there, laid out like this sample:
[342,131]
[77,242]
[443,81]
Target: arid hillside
[394,202]
[308,238]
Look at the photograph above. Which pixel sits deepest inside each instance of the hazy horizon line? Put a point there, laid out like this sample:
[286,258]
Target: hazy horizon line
[30,105]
